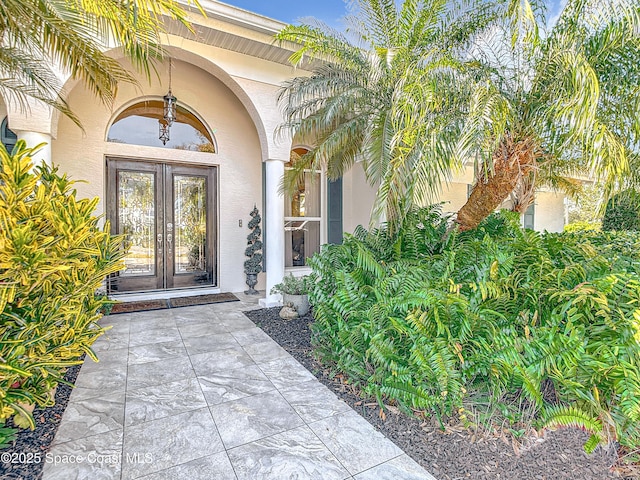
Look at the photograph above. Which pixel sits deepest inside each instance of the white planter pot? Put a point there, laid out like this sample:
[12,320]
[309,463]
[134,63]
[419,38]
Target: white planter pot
[300,302]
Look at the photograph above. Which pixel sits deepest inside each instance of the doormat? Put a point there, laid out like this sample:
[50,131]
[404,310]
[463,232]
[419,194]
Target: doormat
[176,302]
[202,300]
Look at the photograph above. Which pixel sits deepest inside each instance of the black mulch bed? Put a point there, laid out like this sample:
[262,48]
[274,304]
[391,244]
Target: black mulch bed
[31,445]
[456,454]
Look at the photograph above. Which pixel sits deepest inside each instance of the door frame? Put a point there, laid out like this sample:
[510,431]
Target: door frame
[164,182]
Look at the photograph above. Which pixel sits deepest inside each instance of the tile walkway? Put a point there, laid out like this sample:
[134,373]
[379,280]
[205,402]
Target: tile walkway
[201,393]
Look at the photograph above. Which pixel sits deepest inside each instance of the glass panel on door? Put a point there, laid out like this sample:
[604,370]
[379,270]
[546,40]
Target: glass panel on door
[190,197]
[136,220]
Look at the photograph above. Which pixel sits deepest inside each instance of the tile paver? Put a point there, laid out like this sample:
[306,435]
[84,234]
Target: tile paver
[252,418]
[84,418]
[96,457]
[156,351]
[213,467]
[201,393]
[209,343]
[163,443]
[159,401]
[234,384]
[285,372]
[296,453]
[400,467]
[313,401]
[354,442]
[221,361]
[156,373]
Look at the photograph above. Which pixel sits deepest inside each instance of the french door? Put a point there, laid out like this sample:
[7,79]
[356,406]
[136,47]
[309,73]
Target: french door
[167,214]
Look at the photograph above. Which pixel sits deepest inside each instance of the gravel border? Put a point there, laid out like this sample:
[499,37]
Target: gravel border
[457,453]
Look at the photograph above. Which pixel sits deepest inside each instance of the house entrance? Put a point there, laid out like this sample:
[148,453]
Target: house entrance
[167,214]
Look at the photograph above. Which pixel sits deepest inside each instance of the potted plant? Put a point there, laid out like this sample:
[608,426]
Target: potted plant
[294,292]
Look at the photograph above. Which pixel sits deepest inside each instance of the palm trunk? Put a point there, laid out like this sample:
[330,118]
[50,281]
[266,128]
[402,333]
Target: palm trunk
[511,161]
[524,194]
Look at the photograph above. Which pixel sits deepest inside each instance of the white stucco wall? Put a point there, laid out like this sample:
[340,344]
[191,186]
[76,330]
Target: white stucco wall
[549,211]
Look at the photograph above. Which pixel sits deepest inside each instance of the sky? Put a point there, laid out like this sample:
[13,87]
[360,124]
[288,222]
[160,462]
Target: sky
[329,11]
[290,11]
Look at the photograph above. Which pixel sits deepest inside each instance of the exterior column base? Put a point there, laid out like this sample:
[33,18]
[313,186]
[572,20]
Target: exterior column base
[270,301]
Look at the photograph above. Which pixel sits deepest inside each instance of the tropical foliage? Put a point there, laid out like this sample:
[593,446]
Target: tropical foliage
[553,102]
[623,212]
[421,88]
[354,106]
[74,34]
[545,325]
[292,285]
[53,258]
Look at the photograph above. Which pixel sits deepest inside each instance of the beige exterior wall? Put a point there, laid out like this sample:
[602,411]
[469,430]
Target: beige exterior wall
[549,213]
[454,196]
[358,199]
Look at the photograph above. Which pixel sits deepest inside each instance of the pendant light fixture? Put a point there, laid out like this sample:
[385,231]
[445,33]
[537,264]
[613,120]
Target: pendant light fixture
[169,111]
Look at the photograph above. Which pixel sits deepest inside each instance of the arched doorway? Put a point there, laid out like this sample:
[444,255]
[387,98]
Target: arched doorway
[166,211]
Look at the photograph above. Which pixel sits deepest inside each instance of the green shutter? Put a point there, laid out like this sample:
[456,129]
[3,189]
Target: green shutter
[334,211]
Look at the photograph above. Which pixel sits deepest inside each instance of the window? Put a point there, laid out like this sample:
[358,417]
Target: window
[138,125]
[8,137]
[303,216]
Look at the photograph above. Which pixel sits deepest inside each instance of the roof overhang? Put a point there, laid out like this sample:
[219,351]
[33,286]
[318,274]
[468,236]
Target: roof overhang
[235,29]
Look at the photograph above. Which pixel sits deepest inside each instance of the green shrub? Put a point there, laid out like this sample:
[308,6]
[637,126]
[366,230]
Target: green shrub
[7,435]
[623,212]
[581,227]
[53,257]
[436,321]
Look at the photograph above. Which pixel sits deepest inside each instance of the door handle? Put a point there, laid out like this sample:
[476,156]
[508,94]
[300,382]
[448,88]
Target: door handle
[169,240]
[159,240]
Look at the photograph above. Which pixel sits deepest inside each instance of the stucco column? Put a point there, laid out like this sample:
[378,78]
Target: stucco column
[274,221]
[36,138]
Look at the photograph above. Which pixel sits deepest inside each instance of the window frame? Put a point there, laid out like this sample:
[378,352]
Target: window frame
[154,103]
[321,220]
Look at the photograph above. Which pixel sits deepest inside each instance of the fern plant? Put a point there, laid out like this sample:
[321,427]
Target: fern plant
[432,321]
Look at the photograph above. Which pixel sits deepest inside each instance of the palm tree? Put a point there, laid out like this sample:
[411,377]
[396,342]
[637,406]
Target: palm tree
[72,35]
[553,103]
[355,107]
[432,86]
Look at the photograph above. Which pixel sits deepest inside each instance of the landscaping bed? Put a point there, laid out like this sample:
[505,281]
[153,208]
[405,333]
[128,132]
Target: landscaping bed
[455,453]
[27,453]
